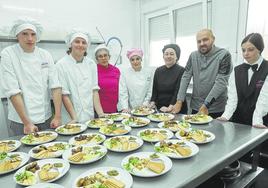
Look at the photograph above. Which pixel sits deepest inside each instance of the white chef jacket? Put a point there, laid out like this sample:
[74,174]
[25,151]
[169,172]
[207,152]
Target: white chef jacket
[232,93]
[135,87]
[33,75]
[79,80]
[261,108]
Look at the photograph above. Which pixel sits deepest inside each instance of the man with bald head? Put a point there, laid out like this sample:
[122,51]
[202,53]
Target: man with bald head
[210,67]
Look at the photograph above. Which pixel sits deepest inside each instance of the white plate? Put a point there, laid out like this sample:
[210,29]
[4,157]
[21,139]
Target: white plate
[46,185]
[64,131]
[36,141]
[194,148]
[24,159]
[140,112]
[127,128]
[123,175]
[62,170]
[167,132]
[145,172]
[208,139]
[137,140]
[118,116]
[16,145]
[157,117]
[56,153]
[197,122]
[179,125]
[102,122]
[73,142]
[68,153]
[132,123]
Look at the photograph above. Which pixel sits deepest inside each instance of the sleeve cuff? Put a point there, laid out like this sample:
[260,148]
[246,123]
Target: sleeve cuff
[13,92]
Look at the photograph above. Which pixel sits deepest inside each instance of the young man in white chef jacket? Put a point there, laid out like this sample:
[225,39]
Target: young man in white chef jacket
[30,78]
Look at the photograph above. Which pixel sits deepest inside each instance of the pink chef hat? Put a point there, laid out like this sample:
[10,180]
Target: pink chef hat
[134,51]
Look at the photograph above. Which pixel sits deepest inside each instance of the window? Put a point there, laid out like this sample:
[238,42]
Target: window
[258,21]
[189,20]
[159,35]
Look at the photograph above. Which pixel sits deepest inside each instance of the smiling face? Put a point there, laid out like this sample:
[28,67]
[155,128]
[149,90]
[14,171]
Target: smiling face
[27,40]
[250,53]
[170,57]
[205,41]
[136,62]
[79,47]
[103,57]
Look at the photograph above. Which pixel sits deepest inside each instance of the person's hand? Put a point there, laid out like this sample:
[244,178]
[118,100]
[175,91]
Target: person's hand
[73,121]
[30,128]
[260,126]
[126,110]
[177,107]
[152,105]
[203,110]
[222,118]
[102,115]
[164,109]
[170,108]
[56,122]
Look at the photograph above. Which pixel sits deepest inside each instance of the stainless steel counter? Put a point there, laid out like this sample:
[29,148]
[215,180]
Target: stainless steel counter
[232,141]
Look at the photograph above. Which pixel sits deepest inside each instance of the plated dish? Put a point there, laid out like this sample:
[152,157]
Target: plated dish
[175,126]
[9,145]
[136,121]
[41,171]
[142,111]
[178,149]
[12,161]
[155,134]
[118,116]
[123,143]
[146,164]
[39,138]
[88,138]
[70,129]
[198,118]
[196,136]
[49,150]
[115,129]
[98,123]
[46,185]
[159,117]
[104,177]
[84,154]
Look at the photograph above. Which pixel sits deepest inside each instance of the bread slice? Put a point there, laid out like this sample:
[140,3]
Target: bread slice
[157,167]
[113,183]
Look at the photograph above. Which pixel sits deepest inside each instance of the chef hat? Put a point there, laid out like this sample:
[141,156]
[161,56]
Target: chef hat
[134,51]
[175,47]
[255,39]
[100,47]
[26,23]
[77,32]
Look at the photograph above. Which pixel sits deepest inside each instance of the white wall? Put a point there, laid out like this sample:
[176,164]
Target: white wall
[120,18]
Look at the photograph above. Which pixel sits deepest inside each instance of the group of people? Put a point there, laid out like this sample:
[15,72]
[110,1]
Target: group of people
[88,89]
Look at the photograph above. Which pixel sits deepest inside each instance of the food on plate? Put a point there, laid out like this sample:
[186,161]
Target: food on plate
[69,128]
[176,125]
[136,121]
[99,180]
[154,134]
[122,143]
[26,178]
[152,163]
[178,148]
[38,137]
[161,117]
[117,116]
[114,129]
[142,111]
[99,122]
[48,151]
[85,153]
[195,134]
[48,172]
[198,118]
[88,138]
[9,162]
[6,146]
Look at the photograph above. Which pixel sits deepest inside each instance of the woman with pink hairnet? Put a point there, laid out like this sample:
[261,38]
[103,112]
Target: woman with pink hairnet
[135,87]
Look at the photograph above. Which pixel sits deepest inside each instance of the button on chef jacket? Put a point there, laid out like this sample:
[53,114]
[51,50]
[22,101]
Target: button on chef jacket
[135,87]
[79,80]
[33,75]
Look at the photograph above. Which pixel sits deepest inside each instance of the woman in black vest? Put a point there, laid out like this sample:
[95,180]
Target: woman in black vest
[248,79]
